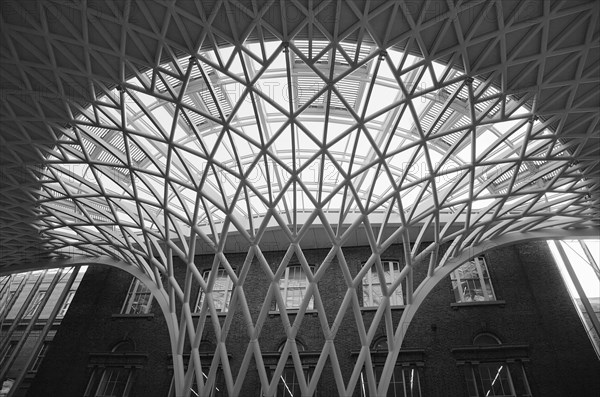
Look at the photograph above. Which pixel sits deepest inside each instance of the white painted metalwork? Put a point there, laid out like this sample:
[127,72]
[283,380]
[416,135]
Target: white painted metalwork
[168,130]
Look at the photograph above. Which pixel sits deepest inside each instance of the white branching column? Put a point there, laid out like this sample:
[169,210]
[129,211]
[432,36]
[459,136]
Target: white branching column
[256,137]
[366,146]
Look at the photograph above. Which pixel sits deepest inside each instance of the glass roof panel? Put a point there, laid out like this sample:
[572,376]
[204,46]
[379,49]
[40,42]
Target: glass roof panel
[369,122]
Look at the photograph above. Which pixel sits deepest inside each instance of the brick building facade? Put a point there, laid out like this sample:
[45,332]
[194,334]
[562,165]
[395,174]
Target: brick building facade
[530,326]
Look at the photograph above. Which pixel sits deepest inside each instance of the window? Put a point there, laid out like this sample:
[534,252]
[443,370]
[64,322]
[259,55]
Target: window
[495,371]
[494,379]
[112,373]
[221,291]
[113,383]
[66,304]
[40,357]
[219,388]
[371,285]
[35,303]
[405,381]
[293,285]
[138,299]
[498,379]
[471,282]
[8,350]
[289,384]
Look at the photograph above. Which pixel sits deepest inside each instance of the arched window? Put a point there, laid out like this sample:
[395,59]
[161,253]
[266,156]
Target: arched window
[299,345]
[112,373]
[485,339]
[491,371]
[406,380]
[289,384]
[380,344]
[125,345]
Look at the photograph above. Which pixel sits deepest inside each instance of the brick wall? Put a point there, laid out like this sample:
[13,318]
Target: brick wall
[535,311]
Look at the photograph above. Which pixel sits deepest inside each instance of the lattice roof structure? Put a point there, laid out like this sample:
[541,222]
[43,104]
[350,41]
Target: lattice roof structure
[137,131]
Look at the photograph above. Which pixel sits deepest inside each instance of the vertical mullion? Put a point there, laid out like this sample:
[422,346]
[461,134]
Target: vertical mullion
[370,281]
[285,285]
[510,381]
[127,303]
[477,379]
[525,381]
[228,292]
[461,294]
[481,278]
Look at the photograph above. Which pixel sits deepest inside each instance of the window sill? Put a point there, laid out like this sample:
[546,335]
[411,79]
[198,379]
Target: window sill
[311,312]
[375,308]
[147,316]
[208,314]
[500,303]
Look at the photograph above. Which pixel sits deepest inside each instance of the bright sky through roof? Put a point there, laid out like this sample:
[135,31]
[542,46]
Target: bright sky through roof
[299,128]
[586,275]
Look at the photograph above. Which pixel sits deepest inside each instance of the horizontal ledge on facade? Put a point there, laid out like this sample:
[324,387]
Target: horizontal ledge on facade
[375,308]
[219,314]
[268,355]
[407,356]
[147,316]
[490,353]
[118,359]
[39,323]
[456,305]
[293,312]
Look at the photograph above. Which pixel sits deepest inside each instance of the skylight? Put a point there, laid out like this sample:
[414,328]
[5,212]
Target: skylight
[301,128]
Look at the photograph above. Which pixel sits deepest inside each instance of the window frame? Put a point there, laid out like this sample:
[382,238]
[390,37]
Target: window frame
[35,303]
[8,351]
[290,370]
[206,356]
[228,291]
[99,375]
[396,298]
[284,282]
[66,303]
[475,380]
[308,360]
[122,357]
[137,289]
[412,361]
[39,357]
[483,278]
[403,368]
[485,351]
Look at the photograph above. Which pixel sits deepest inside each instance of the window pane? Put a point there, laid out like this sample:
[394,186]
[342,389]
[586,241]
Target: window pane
[471,282]
[66,304]
[113,382]
[293,286]
[288,382]
[288,385]
[405,382]
[372,291]
[35,303]
[138,299]
[221,291]
[471,383]
[495,380]
[40,357]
